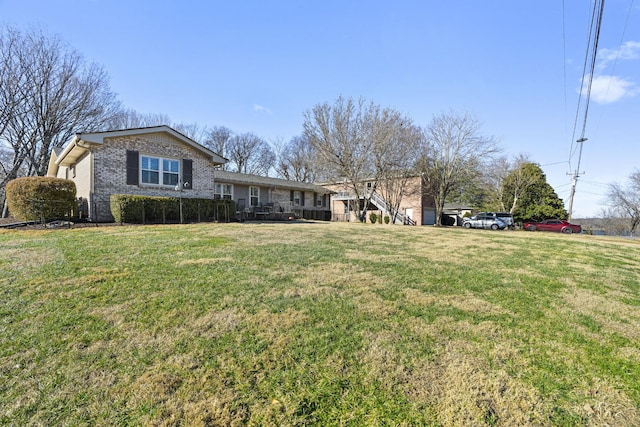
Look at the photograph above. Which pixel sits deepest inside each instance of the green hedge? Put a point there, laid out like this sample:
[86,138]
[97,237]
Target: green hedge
[146,209]
[41,198]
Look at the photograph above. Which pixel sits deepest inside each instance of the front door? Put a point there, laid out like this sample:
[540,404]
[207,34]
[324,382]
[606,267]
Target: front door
[408,213]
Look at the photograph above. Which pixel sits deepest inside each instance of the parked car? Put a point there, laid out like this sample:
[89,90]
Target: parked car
[484,220]
[505,217]
[557,225]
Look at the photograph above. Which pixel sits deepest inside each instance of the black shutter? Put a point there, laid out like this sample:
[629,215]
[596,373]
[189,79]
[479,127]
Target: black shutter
[292,195]
[132,167]
[324,200]
[187,174]
[302,198]
[315,199]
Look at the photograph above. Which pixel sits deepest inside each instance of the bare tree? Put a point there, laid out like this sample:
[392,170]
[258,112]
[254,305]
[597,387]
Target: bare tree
[193,130]
[340,136]
[395,152]
[507,182]
[250,154]
[64,95]
[610,220]
[494,178]
[15,91]
[296,160]
[454,153]
[218,141]
[363,144]
[131,119]
[625,200]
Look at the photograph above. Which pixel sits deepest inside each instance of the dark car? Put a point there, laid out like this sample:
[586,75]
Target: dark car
[484,220]
[557,225]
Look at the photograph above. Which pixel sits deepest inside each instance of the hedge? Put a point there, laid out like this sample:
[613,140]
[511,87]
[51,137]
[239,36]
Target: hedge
[41,198]
[147,209]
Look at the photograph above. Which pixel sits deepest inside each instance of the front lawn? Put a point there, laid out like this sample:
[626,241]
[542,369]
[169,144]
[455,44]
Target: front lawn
[317,324]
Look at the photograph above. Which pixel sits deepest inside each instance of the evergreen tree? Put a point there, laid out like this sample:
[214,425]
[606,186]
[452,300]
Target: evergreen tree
[538,202]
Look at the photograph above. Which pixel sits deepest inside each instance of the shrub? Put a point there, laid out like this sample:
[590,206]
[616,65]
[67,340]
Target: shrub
[387,219]
[41,198]
[146,209]
[373,218]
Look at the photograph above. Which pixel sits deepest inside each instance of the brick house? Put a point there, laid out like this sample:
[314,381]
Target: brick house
[415,207]
[159,161]
[261,197]
[151,161]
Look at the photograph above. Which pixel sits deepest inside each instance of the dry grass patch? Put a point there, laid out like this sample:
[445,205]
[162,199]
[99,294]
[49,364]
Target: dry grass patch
[382,362]
[374,306]
[468,391]
[204,261]
[606,406]
[325,277]
[112,314]
[311,291]
[613,315]
[214,324]
[24,259]
[467,302]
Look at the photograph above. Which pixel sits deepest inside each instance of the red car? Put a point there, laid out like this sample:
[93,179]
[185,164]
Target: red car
[558,225]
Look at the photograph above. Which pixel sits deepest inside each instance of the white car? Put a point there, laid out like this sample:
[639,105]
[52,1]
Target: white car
[484,220]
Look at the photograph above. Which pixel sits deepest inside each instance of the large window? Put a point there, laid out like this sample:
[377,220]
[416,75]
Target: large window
[223,191]
[254,193]
[159,171]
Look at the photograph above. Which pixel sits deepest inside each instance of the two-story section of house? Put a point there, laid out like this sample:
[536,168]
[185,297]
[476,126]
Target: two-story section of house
[406,204]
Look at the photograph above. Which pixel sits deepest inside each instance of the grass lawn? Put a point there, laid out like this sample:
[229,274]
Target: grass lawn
[317,324]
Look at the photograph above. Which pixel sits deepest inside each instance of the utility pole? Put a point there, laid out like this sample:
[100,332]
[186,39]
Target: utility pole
[574,179]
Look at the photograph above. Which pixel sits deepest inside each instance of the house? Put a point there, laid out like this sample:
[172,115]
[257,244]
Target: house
[160,161]
[152,161]
[414,207]
[260,197]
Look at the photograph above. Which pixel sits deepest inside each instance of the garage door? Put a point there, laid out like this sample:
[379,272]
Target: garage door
[428,216]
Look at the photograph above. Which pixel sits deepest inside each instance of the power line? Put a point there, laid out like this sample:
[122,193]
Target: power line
[590,59]
[597,184]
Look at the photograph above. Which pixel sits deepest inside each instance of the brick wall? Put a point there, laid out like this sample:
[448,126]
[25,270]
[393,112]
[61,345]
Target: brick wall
[110,166]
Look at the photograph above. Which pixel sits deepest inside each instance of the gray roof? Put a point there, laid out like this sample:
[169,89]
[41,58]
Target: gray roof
[266,181]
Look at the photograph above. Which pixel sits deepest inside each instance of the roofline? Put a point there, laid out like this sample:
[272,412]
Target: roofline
[97,138]
[267,181]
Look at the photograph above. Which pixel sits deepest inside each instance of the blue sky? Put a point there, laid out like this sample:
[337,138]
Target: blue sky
[256,66]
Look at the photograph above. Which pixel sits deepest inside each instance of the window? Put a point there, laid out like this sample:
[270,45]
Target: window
[223,191]
[170,170]
[297,198]
[318,200]
[159,171]
[254,193]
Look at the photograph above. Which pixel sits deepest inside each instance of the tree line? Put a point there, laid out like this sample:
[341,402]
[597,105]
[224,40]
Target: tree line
[48,92]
